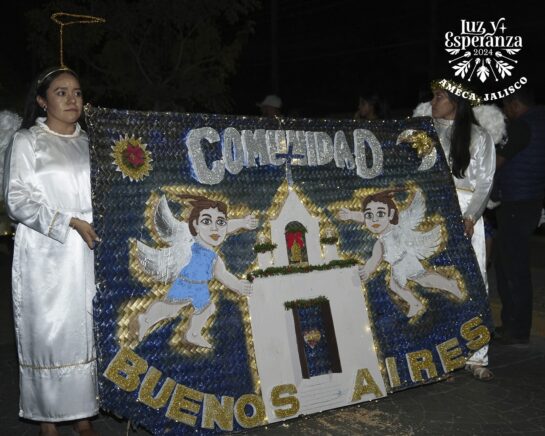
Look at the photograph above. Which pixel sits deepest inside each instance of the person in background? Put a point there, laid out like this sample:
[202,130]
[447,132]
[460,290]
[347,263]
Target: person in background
[371,107]
[520,184]
[47,191]
[271,106]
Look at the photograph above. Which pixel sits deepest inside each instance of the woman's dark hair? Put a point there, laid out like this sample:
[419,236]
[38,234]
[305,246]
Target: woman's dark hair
[379,104]
[461,135]
[386,197]
[39,87]
[198,204]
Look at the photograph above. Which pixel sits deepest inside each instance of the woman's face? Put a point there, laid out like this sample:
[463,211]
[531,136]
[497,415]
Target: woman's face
[377,217]
[211,227]
[441,106]
[64,102]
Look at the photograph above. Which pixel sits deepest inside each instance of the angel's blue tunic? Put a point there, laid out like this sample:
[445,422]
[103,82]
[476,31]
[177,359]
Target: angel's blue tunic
[192,281]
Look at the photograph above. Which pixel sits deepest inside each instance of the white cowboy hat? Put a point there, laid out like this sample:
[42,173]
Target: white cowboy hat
[271,100]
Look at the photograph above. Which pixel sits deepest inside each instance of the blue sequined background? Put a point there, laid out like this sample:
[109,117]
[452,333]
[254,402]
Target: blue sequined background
[119,206]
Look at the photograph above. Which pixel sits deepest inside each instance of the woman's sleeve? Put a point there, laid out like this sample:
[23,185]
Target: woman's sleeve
[485,166]
[25,203]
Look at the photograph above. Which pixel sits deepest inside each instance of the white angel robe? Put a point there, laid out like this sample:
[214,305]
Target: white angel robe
[473,192]
[47,182]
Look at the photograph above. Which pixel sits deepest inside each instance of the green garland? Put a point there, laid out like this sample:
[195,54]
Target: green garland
[303,304]
[295,227]
[263,248]
[329,240]
[285,270]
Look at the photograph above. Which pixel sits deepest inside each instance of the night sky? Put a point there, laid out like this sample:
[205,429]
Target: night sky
[329,51]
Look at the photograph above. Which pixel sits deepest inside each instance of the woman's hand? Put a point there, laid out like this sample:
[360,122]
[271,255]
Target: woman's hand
[86,231]
[469,225]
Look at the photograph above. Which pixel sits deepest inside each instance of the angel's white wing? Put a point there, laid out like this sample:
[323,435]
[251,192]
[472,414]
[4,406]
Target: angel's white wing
[420,244]
[164,264]
[422,110]
[424,244]
[410,218]
[169,228]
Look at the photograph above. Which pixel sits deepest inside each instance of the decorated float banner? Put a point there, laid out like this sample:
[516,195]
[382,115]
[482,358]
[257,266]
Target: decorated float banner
[253,270]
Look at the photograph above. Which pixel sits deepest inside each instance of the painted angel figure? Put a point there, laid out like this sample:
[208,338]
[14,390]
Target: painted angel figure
[401,245]
[189,263]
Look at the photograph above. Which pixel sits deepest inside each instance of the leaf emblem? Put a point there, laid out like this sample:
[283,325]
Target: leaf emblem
[453,51]
[504,68]
[462,68]
[512,51]
[483,72]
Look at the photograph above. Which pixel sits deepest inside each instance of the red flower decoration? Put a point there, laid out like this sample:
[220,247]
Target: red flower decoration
[131,158]
[134,155]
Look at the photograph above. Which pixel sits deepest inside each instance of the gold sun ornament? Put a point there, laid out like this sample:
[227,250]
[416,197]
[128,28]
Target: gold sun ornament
[131,158]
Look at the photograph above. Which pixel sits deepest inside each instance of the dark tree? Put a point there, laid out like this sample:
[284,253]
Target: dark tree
[150,54]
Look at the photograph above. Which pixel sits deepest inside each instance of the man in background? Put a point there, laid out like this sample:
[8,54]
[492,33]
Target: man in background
[520,184]
[271,106]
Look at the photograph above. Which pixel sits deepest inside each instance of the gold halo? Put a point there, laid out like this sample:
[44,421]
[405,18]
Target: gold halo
[456,89]
[66,19]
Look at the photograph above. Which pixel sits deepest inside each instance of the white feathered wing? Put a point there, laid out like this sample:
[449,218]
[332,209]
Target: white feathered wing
[164,264]
[416,243]
[489,116]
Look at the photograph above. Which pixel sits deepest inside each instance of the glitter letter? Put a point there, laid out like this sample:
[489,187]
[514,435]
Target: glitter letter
[365,384]
[393,373]
[276,143]
[291,400]
[180,401]
[231,148]
[421,362]
[145,394]
[450,354]
[215,413]
[475,333]
[255,148]
[324,148]
[343,155]
[194,147]
[297,139]
[361,137]
[125,368]
[256,403]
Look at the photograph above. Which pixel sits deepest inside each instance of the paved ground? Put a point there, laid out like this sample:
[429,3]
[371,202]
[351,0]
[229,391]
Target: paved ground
[512,404]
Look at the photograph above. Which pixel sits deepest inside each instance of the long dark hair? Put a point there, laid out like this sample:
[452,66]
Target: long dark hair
[461,135]
[39,87]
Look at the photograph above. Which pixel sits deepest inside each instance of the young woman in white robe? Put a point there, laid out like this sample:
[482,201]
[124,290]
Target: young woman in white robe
[48,193]
[470,152]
